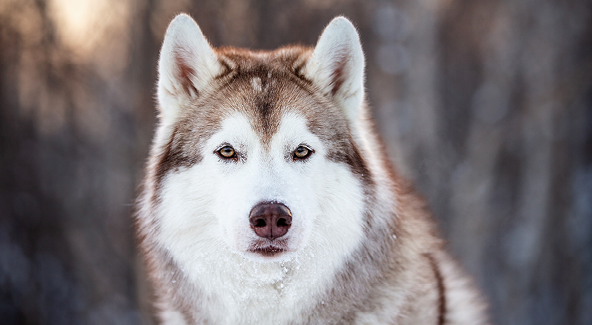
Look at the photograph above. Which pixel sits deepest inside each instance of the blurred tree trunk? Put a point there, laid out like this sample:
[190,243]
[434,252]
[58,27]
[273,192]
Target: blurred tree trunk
[516,112]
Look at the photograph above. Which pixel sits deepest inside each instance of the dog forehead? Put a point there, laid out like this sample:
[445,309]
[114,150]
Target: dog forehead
[263,95]
[293,126]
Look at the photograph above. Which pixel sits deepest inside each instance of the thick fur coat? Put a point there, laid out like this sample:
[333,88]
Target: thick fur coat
[287,130]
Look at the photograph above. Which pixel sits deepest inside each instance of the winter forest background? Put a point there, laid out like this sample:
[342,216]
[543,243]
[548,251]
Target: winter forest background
[485,104]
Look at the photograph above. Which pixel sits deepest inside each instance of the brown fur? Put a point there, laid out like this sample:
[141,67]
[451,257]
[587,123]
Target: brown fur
[283,90]
[400,262]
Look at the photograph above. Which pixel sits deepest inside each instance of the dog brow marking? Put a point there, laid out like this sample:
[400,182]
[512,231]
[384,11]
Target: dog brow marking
[441,289]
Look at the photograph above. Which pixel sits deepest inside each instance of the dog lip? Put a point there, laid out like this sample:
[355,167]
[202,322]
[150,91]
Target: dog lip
[269,248]
[268,251]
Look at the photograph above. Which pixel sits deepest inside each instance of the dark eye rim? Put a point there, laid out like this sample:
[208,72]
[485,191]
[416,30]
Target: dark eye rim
[308,154]
[226,145]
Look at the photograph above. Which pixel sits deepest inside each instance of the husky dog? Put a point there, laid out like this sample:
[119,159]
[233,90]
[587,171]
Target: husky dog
[268,198]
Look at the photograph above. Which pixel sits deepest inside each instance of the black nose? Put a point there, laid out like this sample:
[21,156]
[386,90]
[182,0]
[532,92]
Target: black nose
[270,220]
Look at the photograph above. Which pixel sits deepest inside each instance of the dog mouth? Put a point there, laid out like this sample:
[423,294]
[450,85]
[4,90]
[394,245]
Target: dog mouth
[269,249]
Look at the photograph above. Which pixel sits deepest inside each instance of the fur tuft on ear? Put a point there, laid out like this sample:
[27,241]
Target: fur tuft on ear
[187,64]
[337,66]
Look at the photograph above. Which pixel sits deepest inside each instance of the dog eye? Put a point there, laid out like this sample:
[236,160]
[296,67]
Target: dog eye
[302,152]
[227,152]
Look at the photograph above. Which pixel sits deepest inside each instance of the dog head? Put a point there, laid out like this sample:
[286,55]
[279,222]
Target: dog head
[259,152]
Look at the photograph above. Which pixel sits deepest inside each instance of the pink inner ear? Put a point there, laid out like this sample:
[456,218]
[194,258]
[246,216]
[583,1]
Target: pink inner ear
[184,72]
[338,75]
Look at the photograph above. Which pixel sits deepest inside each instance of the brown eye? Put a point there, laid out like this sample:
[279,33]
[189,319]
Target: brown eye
[302,152]
[227,152]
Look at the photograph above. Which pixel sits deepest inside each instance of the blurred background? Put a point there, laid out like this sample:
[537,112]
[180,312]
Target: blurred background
[485,104]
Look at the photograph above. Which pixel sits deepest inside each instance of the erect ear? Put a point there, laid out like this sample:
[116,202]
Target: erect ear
[187,64]
[337,66]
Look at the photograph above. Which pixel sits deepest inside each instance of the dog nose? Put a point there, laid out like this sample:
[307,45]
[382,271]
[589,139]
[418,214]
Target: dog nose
[270,220]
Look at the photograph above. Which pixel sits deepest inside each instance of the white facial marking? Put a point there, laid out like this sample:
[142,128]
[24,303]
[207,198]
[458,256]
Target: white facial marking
[205,221]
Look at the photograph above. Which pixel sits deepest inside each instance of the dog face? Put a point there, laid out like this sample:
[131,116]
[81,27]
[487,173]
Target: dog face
[256,153]
[279,175]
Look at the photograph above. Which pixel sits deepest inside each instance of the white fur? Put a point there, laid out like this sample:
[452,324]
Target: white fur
[204,222]
[169,316]
[202,212]
[183,44]
[339,48]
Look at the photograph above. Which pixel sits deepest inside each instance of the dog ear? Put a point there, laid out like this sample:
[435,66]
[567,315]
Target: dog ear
[187,64]
[337,66]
